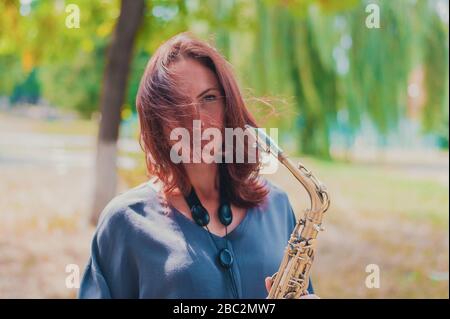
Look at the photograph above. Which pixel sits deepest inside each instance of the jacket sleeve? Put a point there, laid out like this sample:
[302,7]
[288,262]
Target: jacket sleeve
[110,271]
[94,284]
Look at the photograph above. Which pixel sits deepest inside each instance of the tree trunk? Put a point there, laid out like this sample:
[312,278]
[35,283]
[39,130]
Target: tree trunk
[112,98]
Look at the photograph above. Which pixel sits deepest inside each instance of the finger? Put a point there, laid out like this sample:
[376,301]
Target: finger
[268,282]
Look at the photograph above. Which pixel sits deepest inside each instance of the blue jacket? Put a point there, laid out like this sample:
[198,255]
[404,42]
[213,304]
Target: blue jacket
[142,250]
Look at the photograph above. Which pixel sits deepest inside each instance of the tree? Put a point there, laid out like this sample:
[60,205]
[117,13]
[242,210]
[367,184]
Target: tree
[341,74]
[111,100]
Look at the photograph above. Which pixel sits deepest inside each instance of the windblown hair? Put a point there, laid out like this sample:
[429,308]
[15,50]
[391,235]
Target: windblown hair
[162,106]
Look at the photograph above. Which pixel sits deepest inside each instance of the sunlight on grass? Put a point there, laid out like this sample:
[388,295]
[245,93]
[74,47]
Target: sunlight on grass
[68,127]
[379,192]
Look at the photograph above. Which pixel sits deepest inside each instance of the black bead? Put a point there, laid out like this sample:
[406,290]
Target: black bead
[225,258]
[225,214]
[200,215]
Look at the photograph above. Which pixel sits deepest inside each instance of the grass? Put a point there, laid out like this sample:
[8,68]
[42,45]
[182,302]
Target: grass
[68,127]
[377,191]
[59,127]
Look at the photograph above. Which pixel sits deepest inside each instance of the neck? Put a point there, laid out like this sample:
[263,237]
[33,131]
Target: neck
[205,180]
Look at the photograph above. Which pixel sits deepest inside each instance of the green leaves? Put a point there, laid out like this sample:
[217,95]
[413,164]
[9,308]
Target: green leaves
[316,62]
[336,65]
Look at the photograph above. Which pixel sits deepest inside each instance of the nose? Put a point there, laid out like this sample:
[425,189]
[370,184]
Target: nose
[209,120]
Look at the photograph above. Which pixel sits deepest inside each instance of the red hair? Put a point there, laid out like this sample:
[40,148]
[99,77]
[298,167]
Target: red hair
[161,106]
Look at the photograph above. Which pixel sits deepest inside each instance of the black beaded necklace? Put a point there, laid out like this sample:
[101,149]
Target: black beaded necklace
[201,218]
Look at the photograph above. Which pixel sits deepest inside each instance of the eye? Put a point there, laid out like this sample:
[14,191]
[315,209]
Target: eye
[209,98]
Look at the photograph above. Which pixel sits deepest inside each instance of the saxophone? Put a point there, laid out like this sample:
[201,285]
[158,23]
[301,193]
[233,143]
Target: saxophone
[292,278]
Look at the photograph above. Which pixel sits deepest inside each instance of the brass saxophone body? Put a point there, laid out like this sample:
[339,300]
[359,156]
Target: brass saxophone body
[292,278]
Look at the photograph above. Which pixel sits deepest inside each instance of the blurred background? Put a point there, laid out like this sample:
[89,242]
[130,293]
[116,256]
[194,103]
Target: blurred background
[358,90]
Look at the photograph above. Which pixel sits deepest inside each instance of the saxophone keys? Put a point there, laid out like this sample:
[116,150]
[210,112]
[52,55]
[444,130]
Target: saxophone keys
[318,227]
[273,277]
[290,295]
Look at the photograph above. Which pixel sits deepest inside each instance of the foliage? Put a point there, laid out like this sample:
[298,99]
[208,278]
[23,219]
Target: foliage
[315,62]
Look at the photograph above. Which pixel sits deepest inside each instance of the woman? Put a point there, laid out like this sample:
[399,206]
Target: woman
[207,229]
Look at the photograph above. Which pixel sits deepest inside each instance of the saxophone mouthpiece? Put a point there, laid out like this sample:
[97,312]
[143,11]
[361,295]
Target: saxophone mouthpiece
[263,141]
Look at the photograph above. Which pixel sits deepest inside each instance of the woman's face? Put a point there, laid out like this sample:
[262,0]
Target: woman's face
[201,85]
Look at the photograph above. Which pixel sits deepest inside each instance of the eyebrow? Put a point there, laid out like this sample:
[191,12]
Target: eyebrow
[207,90]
